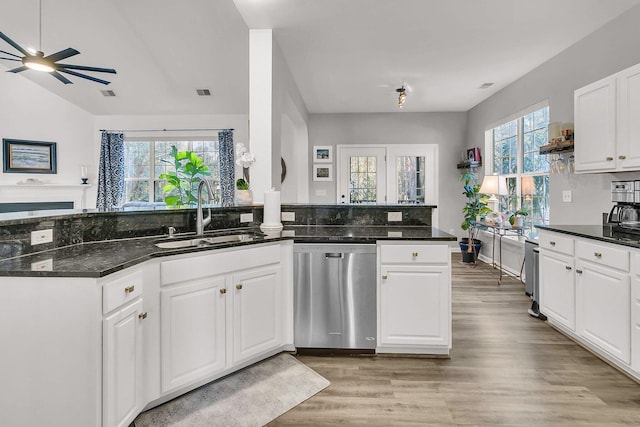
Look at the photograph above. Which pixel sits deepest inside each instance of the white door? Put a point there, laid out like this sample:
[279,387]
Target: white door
[192,326]
[557,289]
[361,175]
[123,370]
[412,173]
[603,316]
[628,124]
[257,312]
[414,305]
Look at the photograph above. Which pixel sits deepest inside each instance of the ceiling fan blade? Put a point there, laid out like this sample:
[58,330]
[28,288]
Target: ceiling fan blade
[17,70]
[14,44]
[10,59]
[9,53]
[84,68]
[84,76]
[60,77]
[66,53]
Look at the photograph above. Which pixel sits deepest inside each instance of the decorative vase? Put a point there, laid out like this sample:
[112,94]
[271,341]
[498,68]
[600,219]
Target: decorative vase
[519,222]
[244,197]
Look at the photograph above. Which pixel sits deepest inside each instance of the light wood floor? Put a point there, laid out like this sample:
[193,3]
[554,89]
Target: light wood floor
[506,368]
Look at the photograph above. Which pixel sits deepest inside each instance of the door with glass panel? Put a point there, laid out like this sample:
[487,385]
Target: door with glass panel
[412,174]
[361,175]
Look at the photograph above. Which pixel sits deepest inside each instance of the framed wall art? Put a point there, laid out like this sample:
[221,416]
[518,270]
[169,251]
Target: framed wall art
[322,154]
[322,173]
[22,156]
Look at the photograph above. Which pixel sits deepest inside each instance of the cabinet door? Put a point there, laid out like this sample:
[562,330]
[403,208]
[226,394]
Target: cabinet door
[635,322]
[257,312]
[192,325]
[595,126]
[557,289]
[122,366]
[628,105]
[603,304]
[414,305]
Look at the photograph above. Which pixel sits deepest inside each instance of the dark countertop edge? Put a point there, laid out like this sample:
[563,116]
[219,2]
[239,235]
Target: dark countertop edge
[605,239]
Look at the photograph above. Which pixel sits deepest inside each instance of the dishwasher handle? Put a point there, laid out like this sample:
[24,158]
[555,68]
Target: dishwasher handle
[334,255]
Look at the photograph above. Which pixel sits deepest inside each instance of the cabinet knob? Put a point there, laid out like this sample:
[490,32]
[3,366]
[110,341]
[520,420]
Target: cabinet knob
[142,315]
[567,267]
[578,271]
[552,243]
[415,254]
[223,291]
[622,157]
[239,286]
[384,277]
[129,289]
[597,254]
[609,159]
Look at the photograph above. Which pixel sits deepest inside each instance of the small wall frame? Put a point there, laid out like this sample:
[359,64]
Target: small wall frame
[322,172]
[322,154]
[21,156]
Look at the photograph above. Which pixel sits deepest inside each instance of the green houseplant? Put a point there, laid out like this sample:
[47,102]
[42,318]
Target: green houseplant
[516,219]
[182,184]
[475,208]
[244,196]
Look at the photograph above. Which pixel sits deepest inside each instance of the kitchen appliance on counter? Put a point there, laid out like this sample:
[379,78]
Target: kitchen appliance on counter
[335,297]
[625,215]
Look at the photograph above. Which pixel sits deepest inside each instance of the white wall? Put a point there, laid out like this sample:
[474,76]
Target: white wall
[447,130]
[604,52]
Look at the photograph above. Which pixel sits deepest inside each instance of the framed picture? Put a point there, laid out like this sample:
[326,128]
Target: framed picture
[29,156]
[322,153]
[322,172]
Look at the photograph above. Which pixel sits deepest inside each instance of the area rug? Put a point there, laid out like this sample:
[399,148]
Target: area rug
[253,396]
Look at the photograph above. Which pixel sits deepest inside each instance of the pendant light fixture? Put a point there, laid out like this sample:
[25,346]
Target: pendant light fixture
[402,95]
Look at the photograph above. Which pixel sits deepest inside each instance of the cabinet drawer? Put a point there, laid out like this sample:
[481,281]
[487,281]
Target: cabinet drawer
[121,290]
[414,254]
[605,255]
[556,243]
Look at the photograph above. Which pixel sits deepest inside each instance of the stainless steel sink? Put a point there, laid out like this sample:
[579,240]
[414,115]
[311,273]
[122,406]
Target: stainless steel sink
[206,241]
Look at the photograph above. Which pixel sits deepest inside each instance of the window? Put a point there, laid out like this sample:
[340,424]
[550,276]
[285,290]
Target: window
[515,152]
[144,164]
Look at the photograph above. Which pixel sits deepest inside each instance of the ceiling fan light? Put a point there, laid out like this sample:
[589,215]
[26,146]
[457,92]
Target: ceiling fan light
[38,63]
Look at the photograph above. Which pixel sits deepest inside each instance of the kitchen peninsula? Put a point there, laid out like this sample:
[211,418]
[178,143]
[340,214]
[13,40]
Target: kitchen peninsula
[113,324]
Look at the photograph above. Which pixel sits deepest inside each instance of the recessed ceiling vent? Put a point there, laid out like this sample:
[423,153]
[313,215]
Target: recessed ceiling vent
[107,93]
[485,85]
[203,92]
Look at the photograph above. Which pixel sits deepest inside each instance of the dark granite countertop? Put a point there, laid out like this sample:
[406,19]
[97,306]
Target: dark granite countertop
[596,232]
[98,259]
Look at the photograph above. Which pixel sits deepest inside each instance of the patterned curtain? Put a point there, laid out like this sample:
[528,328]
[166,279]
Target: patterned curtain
[111,171]
[227,166]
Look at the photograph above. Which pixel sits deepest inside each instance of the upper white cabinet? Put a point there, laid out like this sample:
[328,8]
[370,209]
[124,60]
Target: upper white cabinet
[607,136]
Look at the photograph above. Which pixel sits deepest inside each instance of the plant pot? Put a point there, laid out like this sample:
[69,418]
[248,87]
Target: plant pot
[244,197]
[469,257]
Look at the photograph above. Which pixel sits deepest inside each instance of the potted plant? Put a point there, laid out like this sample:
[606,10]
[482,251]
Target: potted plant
[475,208]
[181,185]
[517,218]
[244,196]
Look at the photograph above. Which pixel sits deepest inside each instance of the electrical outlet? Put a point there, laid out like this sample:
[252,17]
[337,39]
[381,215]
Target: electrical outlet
[39,237]
[246,217]
[321,192]
[395,234]
[45,265]
[394,216]
[288,216]
[567,196]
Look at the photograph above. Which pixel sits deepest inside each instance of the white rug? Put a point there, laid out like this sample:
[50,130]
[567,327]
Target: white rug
[253,396]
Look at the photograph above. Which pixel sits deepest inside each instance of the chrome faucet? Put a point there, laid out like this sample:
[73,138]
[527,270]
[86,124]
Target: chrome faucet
[201,222]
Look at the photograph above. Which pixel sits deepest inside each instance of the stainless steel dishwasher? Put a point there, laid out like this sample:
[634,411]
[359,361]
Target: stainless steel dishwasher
[335,296]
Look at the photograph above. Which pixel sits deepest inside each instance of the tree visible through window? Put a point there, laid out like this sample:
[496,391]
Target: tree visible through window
[515,147]
[144,165]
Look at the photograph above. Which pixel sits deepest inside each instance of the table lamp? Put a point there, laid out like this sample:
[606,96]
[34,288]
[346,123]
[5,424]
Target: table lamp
[527,187]
[494,185]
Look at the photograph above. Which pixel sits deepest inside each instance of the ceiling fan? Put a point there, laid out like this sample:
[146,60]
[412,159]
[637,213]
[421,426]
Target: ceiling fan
[37,61]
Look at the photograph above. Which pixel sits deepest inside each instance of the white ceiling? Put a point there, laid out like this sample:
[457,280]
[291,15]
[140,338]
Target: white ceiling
[345,55]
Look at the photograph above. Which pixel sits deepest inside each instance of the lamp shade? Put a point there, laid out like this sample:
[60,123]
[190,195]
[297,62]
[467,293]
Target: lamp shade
[494,184]
[527,185]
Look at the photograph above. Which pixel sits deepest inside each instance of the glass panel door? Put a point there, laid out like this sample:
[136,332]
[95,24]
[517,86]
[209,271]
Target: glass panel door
[362,175]
[410,179]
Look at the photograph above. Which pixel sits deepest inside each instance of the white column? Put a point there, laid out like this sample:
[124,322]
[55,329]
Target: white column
[260,110]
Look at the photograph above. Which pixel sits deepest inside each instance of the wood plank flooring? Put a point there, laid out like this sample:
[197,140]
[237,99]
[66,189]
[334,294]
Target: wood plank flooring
[506,368]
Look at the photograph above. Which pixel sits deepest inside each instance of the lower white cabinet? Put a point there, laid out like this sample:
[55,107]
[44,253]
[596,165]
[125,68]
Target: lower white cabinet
[603,309]
[414,298]
[257,312]
[122,365]
[635,322]
[557,288]
[193,331]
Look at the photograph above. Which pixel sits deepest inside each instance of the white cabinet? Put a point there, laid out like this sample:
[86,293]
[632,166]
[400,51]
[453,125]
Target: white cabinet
[557,287]
[193,331]
[414,298]
[603,309]
[635,322]
[257,312]
[122,365]
[607,131]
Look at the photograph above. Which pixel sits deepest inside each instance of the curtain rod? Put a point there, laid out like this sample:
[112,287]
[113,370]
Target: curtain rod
[161,130]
